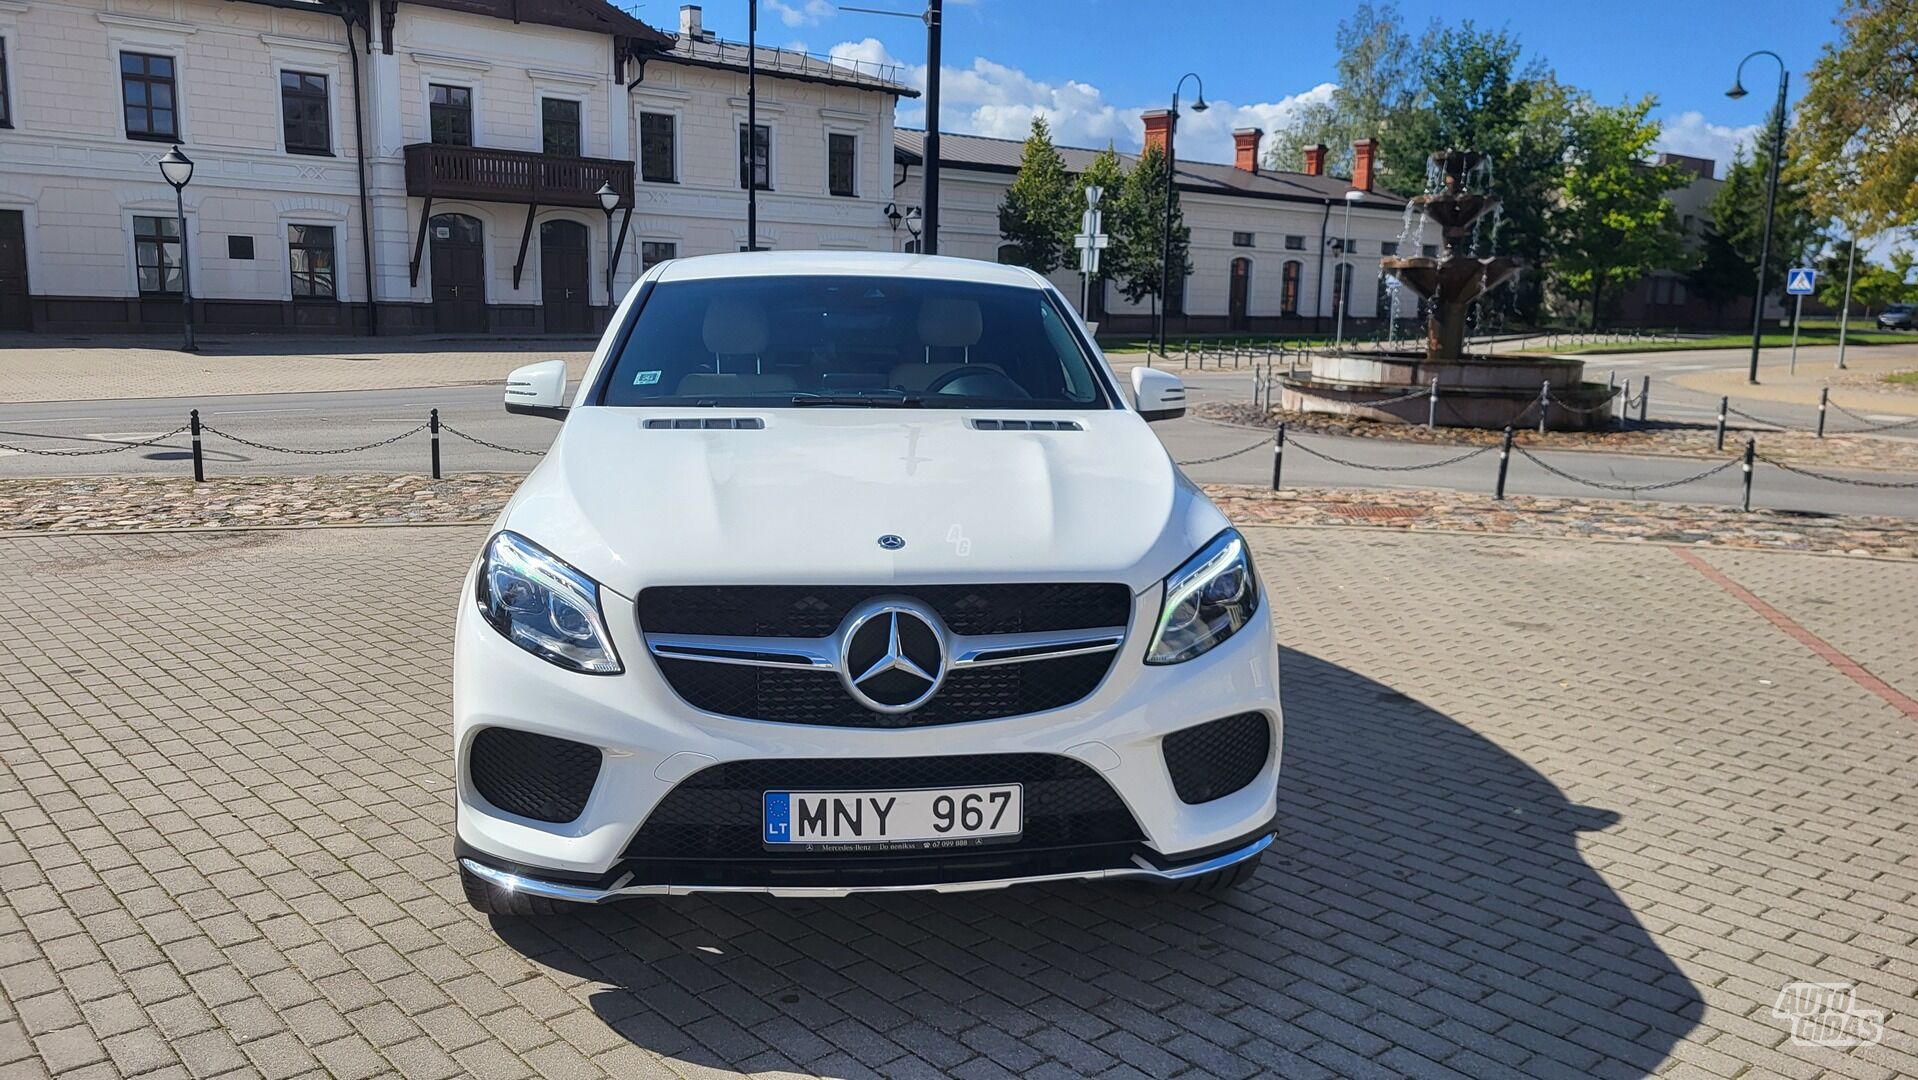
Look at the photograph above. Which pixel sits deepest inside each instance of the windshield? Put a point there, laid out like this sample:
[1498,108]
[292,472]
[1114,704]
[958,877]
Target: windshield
[851,341]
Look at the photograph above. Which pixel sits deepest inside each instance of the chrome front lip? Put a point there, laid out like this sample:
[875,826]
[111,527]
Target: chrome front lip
[553,890]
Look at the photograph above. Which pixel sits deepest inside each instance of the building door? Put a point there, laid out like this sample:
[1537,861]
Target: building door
[1241,290]
[459,274]
[563,277]
[13,270]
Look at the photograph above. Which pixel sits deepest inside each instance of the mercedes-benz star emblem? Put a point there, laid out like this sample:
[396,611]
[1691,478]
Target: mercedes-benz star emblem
[892,656]
[891,542]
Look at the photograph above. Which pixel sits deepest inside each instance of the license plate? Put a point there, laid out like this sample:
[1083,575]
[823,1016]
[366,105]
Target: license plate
[924,818]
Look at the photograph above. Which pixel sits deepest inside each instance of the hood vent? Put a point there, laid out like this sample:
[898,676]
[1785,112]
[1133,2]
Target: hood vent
[1026,425]
[697,423]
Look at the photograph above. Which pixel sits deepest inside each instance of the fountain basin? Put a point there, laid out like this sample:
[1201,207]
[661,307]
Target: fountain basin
[1458,280]
[1474,391]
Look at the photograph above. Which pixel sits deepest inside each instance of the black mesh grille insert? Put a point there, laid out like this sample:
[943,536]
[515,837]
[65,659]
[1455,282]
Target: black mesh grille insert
[817,610]
[709,829]
[797,696]
[1218,758]
[535,776]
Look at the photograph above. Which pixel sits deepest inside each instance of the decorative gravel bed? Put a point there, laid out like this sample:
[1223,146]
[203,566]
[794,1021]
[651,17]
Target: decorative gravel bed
[1681,440]
[101,504]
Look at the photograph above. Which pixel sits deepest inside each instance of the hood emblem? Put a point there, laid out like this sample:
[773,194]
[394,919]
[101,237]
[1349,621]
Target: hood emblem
[892,656]
[891,542]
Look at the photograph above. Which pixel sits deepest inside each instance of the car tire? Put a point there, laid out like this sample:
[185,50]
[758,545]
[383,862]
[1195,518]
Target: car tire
[1220,882]
[489,899]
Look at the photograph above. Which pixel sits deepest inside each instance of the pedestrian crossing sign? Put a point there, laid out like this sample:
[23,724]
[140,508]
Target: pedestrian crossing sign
[1799,280]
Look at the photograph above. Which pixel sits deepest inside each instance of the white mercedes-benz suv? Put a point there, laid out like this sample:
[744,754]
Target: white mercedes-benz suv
[854,572]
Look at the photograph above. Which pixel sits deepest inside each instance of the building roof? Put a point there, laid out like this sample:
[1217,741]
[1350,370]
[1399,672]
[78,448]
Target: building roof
[981,153]
[705,51]
[597,16]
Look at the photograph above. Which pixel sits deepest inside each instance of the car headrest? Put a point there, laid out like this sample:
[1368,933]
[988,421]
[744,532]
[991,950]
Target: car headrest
[733,328]
[945,322]
[707,384]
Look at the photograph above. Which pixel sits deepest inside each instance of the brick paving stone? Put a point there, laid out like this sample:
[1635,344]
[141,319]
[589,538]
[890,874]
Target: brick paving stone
[1549,809]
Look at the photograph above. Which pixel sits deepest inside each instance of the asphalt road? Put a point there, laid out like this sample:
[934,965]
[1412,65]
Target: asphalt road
[319,421]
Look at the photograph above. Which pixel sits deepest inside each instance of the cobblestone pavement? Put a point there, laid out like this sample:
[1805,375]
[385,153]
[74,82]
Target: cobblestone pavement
[1548,809]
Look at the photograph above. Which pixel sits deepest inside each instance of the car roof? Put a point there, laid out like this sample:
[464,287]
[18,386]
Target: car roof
[844,263]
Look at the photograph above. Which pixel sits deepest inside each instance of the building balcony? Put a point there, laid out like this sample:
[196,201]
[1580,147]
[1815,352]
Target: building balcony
[513,176]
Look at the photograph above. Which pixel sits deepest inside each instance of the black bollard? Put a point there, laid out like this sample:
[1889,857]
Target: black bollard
[1278,455]
[433,425]
[1504,462]
[1644,396]
[199,461]
[1751,451]
[1724,403]
[1824,397]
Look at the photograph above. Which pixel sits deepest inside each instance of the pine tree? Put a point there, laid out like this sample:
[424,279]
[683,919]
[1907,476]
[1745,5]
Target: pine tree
[1039,213]
[1107,173]
[1138,243]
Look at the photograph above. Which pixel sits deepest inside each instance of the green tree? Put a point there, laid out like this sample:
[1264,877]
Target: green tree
[1134,258]
[1375,80]
[1855,124]
[1614,223]
[1039,212]
[1738,217]
[1106,172]
[1720,274]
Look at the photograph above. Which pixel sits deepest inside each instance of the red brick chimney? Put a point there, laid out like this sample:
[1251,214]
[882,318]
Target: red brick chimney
[1363,152]
[1158,127]
[1315,160]
[1245,148]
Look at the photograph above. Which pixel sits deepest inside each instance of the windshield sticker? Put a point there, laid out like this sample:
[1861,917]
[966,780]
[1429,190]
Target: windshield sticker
[645,378]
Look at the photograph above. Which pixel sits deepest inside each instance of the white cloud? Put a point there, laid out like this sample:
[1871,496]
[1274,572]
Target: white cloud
[1690,133]
[803,13]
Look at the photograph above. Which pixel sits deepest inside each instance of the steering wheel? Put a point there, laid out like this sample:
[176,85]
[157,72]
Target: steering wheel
[980,382]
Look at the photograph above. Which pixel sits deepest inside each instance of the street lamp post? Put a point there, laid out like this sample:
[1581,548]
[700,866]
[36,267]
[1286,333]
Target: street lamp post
[608,199]
[1844,313]
[178,170]
[1165,234]
[1771,193]
[1344,289]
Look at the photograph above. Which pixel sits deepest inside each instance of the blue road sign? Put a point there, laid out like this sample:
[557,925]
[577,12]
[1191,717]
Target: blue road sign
[1799,280]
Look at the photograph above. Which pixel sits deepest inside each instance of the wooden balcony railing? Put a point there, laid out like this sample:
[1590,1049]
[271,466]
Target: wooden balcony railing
[513,176]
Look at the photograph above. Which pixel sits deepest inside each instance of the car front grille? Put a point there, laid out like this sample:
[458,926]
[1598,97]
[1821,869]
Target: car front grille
[791,696]
[709,829]
[1215,759]
[535,776]
[817,610]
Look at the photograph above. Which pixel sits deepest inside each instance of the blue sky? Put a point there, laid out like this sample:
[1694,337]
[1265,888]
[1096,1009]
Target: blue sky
[1092,65]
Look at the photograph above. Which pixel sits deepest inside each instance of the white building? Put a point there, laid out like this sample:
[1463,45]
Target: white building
[475,135]
[1265,252]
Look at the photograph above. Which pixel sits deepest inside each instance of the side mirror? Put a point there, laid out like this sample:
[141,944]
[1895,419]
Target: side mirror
[1159,394]
[538,390]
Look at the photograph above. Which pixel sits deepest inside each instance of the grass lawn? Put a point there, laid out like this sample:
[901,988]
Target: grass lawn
[1903,378]
[1740,341]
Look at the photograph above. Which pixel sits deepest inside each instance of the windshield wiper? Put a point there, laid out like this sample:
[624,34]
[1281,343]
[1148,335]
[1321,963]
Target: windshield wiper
[887,398]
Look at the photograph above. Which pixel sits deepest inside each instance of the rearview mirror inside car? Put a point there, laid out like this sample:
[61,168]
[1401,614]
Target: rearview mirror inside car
[538,390]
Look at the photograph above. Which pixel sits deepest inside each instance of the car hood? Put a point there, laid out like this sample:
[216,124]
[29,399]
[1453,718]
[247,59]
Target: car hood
[805,499]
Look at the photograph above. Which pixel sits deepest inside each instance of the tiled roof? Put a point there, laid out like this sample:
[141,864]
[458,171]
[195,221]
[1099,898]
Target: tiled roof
[983,154]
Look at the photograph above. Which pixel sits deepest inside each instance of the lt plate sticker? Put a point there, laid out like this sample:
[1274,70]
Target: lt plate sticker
[645,378]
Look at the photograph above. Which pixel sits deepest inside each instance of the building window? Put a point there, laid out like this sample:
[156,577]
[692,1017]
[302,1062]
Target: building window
[156,254]
[911,247]
[654,252]
[657,153]
[146,89]
[1009,255]
[1175,296]
[1295,243]
[559,126]
[842,164]
[1241,239]
[239,248]
[309,253]
[303,112]
[1289,287]
[1430,251]
[1388,247]
[6,103]
[450,117]
[1341,285]
[756,162]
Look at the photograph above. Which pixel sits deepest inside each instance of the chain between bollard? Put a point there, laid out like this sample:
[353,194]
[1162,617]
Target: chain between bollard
[1604,486]
[457,433]
[1828,478]
[230,437]
[1394,468]
[116,448]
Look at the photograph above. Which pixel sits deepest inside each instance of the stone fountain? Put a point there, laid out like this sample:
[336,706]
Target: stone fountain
[1482,391]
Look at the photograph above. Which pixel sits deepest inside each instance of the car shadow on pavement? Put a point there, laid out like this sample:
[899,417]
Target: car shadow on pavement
[1424,911]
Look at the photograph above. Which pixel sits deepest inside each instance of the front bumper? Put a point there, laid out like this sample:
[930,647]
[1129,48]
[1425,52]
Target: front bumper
[652,741]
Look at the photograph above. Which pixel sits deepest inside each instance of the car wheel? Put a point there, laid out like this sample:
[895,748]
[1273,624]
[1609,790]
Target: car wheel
[1221,881]
[489,899]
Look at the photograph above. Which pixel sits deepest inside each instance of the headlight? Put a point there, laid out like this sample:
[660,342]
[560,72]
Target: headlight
[544,606]
[1206,601]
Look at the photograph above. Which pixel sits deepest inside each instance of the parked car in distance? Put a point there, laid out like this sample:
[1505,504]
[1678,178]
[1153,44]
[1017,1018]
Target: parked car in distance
[854,572]
[1898,317]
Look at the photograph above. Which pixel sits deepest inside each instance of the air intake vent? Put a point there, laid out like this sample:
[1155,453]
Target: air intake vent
[696,423]
[1026,425]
